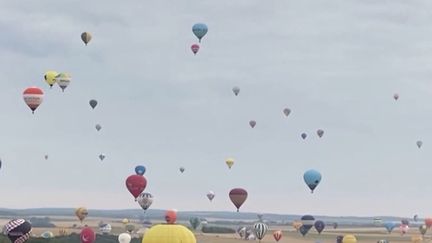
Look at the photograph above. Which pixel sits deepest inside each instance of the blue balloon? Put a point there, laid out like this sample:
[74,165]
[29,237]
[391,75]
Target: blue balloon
[140,170]
[389,226]
[303,230]
[200,30]
[339,238]
[312,179]
[319,226]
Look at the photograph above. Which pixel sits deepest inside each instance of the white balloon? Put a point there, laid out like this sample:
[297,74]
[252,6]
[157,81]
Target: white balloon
[124,238]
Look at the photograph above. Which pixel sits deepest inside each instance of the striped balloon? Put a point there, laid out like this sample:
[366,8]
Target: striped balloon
[308,221]
[18,230]
[260,230]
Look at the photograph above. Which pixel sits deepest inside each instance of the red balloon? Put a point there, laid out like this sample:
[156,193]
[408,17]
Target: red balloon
[33,97]
[87,235]
[195,48]
[238,197]
[428,222]
[171,216]
[136,184]
[277,235]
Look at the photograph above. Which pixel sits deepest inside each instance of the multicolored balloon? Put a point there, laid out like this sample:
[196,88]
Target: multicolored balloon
[277,235]
[63,80]
[238,196]
[18,230]
[145,200]
[260,230]
[86,37]
[81,213]
[87,235]
[33,97]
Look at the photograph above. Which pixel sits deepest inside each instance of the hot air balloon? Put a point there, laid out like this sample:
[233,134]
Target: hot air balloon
[125,221]
[312,178]
[210,195]
[389,226]
[303,230]
[403,229]
[419,144]
[415,218]
[18,230]
[130,228]
[423,229]
[50,77]
[33,97]
[81,213]
[171,216]
[339,238]
[396,96]
[63,80]
[308,221]
[140,170]
[105,228]
[199,30]
[194,222]
[252,123]
[124,238]
[63,232]
[304,135]
[145,200]
[277,235]
[320,132]
[238,196]
[377,221]
[182,169]
[286,111]
[229,162]
[169,233]
[382,241]
[428,222]
[405,221]
[136,184]
[260,230]
[349,239]
[335,225]
[87,235]
[102,157]
[236,90]
[86,37]
[46,156]
[319,226]
[93,103]
[195,48]
[296,225]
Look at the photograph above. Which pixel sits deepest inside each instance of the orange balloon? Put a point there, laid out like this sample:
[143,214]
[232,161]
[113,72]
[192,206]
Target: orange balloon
[171,216]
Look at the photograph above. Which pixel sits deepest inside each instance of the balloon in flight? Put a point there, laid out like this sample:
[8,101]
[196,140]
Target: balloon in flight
[236,90]
[319,226]
[130,228]
[87,235]
[277,235]
[403,229]
[252,123]
[140,170]
[312,178]
[238,196]
[182,169]
[46,156]
[320,132]
[145,200]
[199,30]
[33,97]
[286,111]
[50,77]
[136,184]
[304,135]
[229,162]
[63,80]
[86,37]
[98,127]
[415,218]
[93,103]
[419,144]
[81,213]
[210,195]
[18,230]
[195,48]
[389,226]
[102,157]
[171,216]
[260,230]
[303,230]
[396,96]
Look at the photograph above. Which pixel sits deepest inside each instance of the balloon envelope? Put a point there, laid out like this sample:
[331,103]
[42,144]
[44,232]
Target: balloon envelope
[308,221]
[18,230]
[87,235]
[304,135]
[195,48]
[81,213]
[252,123]
[50,77]
[428,222]
[145,200]
[236,90]
[277,235]
[349,239]
[312,178]
[86,37]
[33,97]
[260,230]
[171,216]
[389,226]
[182,169]
[124,238]
[320,132]
[419,144]
[238,196]
[229,162]
[140,170]
[199,30]
[286,111]
[319,226]
[210,195]
[303,230]
[169,233]
[93,103]
[136,184]
[63,80]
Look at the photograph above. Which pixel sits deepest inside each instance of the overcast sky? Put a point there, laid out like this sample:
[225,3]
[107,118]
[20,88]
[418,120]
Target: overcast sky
[335,64]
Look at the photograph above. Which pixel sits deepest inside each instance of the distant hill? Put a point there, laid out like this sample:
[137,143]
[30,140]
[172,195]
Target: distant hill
[217,216]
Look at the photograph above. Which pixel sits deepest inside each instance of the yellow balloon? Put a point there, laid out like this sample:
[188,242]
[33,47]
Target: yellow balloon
[349,239]
[169,233]
[229,162]
[416,239]
[50,77]
[125,221]
[81,213]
